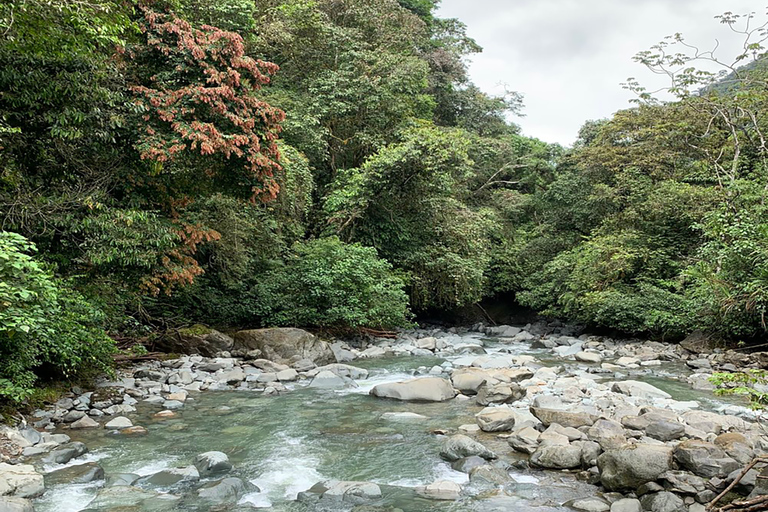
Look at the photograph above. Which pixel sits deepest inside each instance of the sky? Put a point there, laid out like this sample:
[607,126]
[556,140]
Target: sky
[569,57]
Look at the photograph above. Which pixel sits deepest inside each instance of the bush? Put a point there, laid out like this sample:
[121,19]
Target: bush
[46,329]
[326,282]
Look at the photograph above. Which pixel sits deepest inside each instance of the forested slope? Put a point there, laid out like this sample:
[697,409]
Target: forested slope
[329,163]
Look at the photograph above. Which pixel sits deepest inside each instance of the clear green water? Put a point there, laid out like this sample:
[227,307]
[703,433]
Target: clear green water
[285,444]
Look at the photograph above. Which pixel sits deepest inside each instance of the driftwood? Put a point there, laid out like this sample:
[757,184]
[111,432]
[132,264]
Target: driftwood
[742,505]
[379,334]
[753,505]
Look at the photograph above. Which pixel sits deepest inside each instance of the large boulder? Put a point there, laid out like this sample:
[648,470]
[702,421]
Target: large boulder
[704,459]
[282,344]
[430,389]
[11,504]
[460,446]
[496,392]
[631,466]
[197,339]
[468,380]
[557,456]
[79,474]
[221,492]
[21,481]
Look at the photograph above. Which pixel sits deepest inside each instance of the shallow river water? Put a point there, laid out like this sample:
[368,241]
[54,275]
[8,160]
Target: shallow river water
[285,444]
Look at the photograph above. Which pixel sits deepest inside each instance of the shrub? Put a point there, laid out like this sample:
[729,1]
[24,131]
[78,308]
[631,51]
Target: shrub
[46,328]
[326,282]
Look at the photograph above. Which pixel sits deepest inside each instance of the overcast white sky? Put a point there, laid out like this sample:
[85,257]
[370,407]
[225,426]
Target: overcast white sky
[569,57]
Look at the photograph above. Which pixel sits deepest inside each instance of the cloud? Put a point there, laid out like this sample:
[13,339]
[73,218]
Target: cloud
[568,57]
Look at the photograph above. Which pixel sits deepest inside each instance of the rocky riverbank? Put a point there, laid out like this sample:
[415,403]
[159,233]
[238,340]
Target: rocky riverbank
[581,405]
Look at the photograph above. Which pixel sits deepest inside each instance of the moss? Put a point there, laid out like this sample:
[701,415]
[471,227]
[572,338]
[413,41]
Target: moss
[195,330]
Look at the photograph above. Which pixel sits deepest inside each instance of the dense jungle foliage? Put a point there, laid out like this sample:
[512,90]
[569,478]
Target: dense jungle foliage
[329,163]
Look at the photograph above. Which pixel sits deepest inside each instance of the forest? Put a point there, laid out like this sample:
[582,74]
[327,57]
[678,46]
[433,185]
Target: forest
[329,164]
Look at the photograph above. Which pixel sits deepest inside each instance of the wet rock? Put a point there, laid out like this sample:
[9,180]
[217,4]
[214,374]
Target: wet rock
[639,389]
[335,490]
[212,463]
[113,498]
[557,456]
[225,491]
[564,418]
[121,479]
[662,502]
[467,464]
[440,490]
[430,389]
[80,474]
[170,477]
[14,504]
[65,453]
[704,459]
[460,446]
[281,344]
[21,481]
[630,466]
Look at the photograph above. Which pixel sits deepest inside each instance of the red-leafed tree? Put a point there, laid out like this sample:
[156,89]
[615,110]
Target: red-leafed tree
[194,92]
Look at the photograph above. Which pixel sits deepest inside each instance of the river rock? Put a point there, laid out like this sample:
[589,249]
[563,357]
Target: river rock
[662,502]
[132,498]
[169,477]
[704,459]
[430,389]
[14,504]
[80,474]
[627,505]
[212,463]
[336,490]
[665,430]
[588,357]
[525,440]
[468,380]
[221,492]
[467,464]
[630,466]
[589,505]
[121,479]
[737,446]
[342,370]
[564,418]
[65,453]
[440,490]
[499,393]
[281,344]
[496,419]
[118,423]
[460,446]
[555,456]
[84,422]
[639,389]
[21,481]
[329,380]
